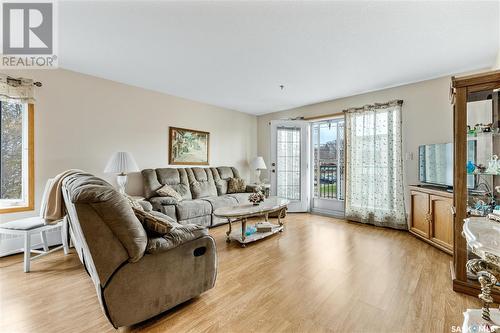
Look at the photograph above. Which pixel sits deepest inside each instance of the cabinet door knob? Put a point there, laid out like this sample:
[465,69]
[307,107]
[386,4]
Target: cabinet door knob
[453,210]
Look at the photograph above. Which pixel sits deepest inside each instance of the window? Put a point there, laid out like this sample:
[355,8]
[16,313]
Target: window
[16,156]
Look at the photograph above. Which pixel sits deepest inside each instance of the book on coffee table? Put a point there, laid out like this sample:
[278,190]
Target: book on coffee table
[264,226]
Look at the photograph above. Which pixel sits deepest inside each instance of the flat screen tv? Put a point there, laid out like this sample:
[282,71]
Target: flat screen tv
[435,164]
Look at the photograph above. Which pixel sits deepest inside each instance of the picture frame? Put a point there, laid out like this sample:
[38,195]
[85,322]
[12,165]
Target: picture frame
[188,147]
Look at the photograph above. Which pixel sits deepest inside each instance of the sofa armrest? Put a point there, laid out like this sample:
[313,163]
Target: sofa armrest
[165,205]
[163,201]
[178,235]
[146,205]
[251,188]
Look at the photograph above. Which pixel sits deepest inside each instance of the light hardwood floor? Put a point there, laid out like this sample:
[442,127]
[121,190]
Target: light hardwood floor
[320,275]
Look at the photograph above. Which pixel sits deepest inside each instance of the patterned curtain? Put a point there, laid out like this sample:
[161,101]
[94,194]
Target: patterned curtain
[374,165]
[20,89]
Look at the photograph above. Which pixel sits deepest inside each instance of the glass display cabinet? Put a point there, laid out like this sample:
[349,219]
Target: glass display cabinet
[476,180]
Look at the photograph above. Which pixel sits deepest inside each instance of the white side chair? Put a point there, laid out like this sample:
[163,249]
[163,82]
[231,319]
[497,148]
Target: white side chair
[37,225]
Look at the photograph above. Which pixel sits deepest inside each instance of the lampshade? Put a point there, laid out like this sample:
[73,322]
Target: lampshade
[258,163]
[121,162]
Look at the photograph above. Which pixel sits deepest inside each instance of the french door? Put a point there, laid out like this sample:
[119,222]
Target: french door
[290,162]
[328,167]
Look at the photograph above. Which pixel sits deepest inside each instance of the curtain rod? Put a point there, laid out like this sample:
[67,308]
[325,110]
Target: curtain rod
[376,105]
[325,116]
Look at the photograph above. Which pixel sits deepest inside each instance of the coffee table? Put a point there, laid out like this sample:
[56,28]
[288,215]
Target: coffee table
[243,212]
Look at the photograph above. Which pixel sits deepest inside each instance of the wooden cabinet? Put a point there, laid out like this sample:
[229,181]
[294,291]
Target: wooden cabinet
[419,215]
[441,218]
[431,216]
[476,103]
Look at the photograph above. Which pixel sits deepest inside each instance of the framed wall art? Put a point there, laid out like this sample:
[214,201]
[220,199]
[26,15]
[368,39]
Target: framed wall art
[188,147]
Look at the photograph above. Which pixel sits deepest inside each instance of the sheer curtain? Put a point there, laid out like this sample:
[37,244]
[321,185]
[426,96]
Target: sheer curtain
[374,165]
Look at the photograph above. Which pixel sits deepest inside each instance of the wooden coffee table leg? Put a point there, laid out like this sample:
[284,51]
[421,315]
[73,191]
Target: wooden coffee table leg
[243,230]
[229,231]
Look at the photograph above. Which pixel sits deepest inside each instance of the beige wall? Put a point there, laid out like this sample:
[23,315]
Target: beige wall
[497,62]
[81,120]
[427,117]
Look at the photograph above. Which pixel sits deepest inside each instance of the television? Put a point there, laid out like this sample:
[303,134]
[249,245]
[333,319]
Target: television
[435,164]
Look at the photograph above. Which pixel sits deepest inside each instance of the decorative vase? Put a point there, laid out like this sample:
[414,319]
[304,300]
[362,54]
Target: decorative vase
[493,165]
[470,167]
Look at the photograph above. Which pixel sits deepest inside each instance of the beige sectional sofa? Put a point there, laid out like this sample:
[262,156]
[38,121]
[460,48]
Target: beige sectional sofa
[203,190]
[135,273]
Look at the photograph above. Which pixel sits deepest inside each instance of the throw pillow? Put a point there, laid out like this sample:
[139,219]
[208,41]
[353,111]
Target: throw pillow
[156,223]
[168,191]
[236,185]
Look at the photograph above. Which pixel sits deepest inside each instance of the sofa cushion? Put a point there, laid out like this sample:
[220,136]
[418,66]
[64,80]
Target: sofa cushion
[205,221]
[176,178]
[217,202]
[221,176]
[201,182]
[189,209]
[222,201]
[242,198]
[236,185]
[167,191]
[176,236]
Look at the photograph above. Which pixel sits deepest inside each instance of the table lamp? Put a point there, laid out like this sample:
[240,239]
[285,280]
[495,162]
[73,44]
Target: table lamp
[121,163]
[258,165]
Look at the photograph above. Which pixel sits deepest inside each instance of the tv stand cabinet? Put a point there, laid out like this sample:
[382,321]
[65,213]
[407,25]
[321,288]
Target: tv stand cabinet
[431,216]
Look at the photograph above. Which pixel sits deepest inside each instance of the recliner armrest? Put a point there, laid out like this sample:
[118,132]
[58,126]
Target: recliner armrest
[251,188]
[163,201]
[165,205]
[178,235]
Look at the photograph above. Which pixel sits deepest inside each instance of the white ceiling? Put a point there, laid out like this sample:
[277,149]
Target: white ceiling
[236,54]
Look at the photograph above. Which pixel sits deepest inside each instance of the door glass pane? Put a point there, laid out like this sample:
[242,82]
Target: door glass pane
[483,151]
[328,154]
[288,162]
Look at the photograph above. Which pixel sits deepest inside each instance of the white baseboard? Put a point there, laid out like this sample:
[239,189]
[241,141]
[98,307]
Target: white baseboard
[329,213]
[15,243]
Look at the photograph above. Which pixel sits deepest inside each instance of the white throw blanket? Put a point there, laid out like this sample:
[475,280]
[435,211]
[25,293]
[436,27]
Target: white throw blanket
[54,204]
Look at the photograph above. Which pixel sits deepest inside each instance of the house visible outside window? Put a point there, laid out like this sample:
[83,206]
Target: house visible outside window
[16,156]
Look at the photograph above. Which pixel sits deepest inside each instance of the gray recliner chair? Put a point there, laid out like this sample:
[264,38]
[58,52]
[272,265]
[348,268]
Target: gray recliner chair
[134,281]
